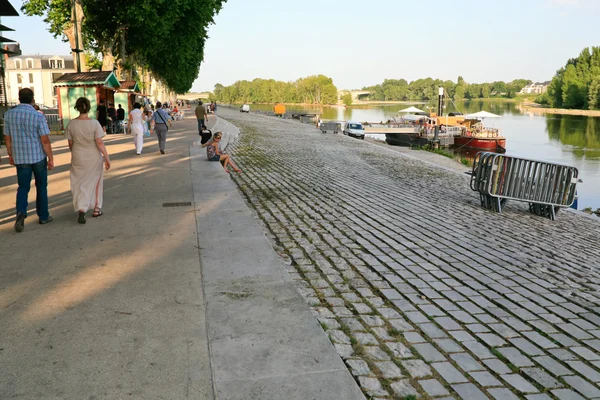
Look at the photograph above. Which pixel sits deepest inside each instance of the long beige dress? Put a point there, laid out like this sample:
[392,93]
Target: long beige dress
[87,172]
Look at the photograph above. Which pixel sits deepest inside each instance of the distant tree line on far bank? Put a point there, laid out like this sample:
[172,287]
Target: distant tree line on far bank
[317,89]
[427,89]
[577,84]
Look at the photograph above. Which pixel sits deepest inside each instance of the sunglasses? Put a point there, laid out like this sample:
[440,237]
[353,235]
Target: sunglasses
[217,137]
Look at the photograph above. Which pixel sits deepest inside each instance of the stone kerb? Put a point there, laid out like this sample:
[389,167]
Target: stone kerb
[231,133]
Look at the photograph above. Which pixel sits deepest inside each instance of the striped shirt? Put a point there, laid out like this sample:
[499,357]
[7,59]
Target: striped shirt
[25,127]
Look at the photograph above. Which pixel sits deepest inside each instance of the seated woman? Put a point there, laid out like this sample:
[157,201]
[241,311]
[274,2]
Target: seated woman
[214,153]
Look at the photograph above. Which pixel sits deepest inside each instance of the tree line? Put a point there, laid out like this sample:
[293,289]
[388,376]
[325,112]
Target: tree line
[577,84]
[427,89]
[317,89]
[162,38]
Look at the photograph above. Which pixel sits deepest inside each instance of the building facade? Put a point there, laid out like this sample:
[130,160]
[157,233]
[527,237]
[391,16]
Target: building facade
[535,88]
[37,72]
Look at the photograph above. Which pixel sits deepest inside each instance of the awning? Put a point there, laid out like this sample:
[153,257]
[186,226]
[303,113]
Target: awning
[7,10]
[411,110]
[481,115]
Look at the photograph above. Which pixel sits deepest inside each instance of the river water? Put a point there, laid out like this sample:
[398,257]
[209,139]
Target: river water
[565,139]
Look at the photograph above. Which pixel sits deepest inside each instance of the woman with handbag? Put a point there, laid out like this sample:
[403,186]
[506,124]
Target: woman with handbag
[160,119]
[136,125]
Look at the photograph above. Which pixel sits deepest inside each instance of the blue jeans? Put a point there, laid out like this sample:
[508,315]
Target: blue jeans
[200,125]
[40,171]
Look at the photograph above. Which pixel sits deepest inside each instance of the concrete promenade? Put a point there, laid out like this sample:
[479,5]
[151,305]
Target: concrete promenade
[154,300]
[422,292]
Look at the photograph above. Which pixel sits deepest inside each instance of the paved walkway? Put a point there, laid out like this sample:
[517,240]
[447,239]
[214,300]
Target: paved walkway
[423,292]
[173,294]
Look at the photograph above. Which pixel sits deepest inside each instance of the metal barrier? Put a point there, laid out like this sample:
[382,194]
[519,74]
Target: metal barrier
[54,122]
[547,187]
[330,126]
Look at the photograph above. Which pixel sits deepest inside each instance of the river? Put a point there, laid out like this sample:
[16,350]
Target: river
[565,139]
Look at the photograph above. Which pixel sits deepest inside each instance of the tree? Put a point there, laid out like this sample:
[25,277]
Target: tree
[318,89]
[459,92]
[347,99]
[576,84]
[58,15]
[120,31]
[594,94]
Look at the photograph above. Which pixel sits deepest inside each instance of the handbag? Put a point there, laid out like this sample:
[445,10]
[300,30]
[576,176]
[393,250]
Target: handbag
[163,120]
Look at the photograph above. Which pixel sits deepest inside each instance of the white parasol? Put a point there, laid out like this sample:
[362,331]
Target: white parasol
[411,110]
[481,115]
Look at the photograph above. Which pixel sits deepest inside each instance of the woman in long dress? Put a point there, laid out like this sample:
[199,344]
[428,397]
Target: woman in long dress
[88,160]
[136,122]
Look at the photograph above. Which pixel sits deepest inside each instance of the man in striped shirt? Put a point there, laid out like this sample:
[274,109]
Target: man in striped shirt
[29,150]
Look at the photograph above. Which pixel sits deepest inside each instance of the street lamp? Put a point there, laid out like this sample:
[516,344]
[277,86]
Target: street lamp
[76,50]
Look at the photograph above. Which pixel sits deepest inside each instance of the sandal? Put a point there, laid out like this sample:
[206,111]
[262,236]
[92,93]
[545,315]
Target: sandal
[97,213]
[81,218]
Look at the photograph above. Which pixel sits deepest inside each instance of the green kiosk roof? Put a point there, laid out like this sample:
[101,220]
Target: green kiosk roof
[102,78]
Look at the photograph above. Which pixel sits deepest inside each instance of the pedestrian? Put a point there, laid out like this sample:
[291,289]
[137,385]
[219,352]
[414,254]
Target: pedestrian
[120,117]
[137,120]
[200,116]
[88,157]
[112,114]
[213,153]
[215,108]
[160,118]
[30,151]
[101,114]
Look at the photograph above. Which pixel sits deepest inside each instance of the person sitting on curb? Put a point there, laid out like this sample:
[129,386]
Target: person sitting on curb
[206,134]
[213,153]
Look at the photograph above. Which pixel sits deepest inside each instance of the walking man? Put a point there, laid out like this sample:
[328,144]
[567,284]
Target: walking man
[30,151]
[160,118]
[201,116]
[121,118]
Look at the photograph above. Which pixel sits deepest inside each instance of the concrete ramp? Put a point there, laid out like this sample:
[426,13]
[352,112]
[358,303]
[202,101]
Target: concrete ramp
[264,342]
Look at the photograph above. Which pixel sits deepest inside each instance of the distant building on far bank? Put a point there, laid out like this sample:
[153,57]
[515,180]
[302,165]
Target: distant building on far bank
[535,88]
[37,72]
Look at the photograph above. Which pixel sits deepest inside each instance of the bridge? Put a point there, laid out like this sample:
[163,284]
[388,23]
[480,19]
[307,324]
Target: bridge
[356,94]
[193,96]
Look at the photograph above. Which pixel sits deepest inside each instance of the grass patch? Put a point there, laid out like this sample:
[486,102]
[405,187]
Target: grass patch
[324,326]
[442,152]
[358,348]
[393,332]
[510,365]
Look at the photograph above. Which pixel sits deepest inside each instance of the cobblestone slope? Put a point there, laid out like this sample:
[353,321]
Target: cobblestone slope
[421,291]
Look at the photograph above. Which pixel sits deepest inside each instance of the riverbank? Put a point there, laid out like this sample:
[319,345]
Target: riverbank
[534,108]
[421,291]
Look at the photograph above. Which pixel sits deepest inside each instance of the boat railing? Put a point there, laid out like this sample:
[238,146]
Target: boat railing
[483,132]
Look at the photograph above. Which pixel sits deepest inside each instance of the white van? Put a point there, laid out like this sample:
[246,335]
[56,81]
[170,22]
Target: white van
[354,129]
[245,108]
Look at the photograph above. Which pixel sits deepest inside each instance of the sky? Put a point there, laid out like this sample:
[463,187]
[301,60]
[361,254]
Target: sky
[361,43]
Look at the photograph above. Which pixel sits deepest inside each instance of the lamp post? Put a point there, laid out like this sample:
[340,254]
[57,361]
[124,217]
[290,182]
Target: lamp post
[76,50]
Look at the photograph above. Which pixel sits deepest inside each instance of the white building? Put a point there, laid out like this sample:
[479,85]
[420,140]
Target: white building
[535,88]
[37,72]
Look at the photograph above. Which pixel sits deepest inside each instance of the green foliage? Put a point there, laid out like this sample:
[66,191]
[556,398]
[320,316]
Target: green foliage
[577,84]
[347,99]
[56,13]
[317,89]
[92,60]
[543,99]
[427,89]
[166,36]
